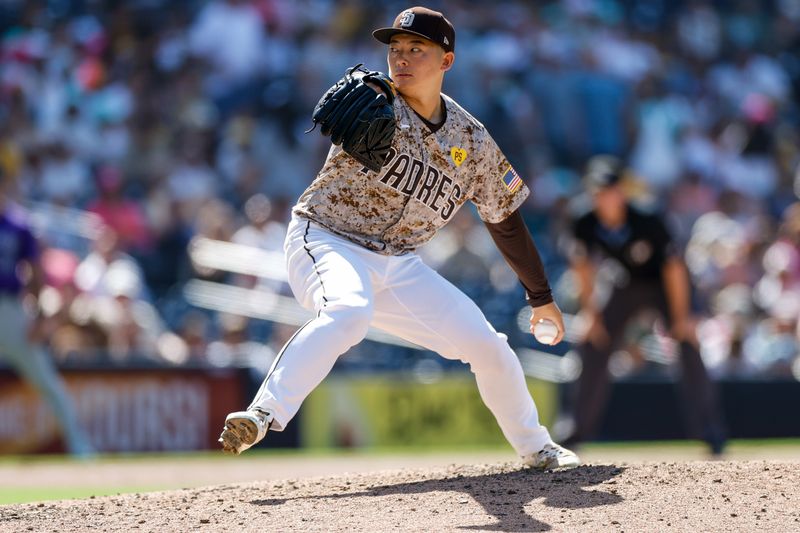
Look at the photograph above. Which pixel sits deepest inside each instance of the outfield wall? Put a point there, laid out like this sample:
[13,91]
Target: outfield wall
[124,410]
[152,410]
[653,409]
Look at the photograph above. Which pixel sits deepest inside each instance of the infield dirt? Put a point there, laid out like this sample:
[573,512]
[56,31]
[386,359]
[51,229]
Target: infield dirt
[645,496]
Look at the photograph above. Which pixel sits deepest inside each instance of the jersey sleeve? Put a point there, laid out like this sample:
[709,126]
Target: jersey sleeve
[499,189]
[517,247]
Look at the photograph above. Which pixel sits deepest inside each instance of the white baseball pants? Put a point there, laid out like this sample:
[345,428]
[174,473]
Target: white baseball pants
[352,288]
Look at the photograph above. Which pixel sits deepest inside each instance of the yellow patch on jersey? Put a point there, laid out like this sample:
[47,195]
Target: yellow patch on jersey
[458,155]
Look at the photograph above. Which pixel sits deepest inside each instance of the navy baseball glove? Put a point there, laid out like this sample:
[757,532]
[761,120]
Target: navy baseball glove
[359,118]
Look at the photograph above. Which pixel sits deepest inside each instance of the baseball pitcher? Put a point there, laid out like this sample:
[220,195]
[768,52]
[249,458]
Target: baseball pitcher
[404,159]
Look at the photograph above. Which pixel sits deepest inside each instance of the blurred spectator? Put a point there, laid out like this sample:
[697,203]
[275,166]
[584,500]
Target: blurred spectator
[124,216]
[699,30]
[192,181]
[109,271]
[194,330]
[775,343]
[66,324]
[229,34]
[458,254]
[115,297]
[65,178]
[662,115]
[262,230]
[235,348]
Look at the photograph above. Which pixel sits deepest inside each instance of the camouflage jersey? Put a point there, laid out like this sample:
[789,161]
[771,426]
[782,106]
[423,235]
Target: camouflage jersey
[427,177]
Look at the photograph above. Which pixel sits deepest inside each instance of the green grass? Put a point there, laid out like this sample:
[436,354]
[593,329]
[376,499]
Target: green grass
[744,443]
[40,494]
[171,457]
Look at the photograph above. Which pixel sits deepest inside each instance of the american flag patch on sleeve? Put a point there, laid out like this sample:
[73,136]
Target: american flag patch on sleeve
[511,179]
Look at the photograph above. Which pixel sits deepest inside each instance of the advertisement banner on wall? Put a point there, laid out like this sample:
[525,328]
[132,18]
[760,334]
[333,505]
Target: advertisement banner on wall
[395,411]
[125,410]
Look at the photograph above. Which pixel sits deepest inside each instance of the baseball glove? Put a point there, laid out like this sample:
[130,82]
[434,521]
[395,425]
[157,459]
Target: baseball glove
[359,118]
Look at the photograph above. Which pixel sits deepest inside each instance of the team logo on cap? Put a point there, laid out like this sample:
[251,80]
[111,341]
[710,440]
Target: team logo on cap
[407,19]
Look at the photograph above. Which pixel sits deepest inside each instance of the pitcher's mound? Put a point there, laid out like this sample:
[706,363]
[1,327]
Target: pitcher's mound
[692,496]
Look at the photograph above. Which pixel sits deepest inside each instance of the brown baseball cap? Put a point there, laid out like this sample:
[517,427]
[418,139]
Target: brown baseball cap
[424,22]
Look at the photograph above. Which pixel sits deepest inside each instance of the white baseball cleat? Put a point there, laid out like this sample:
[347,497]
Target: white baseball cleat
[243,429]
[550,457]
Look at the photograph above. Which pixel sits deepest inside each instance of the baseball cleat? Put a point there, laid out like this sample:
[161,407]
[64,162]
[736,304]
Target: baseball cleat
[243,429]
[550,457]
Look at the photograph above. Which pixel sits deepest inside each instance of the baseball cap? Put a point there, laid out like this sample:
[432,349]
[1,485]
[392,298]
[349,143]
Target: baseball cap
[421,21]
[602,171]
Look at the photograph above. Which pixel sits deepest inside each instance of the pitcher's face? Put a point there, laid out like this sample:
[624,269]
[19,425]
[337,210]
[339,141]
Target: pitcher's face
[417,64]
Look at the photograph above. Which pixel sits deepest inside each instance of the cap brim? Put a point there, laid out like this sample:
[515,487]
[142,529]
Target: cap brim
[385,35]
[596,185]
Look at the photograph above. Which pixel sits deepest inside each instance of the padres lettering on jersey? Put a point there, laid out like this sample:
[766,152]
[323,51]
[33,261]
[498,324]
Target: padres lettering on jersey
[426,179]
[425,183]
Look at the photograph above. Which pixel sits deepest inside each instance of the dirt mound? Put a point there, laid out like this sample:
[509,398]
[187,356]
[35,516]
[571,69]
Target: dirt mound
[691,496]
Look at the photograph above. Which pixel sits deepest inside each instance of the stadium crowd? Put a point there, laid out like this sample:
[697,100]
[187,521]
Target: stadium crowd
[136,129]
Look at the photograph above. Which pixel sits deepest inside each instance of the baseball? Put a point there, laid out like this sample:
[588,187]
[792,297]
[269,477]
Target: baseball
[545,331]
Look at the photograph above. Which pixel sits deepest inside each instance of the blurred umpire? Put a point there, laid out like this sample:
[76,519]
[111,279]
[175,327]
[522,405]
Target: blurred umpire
[651,277]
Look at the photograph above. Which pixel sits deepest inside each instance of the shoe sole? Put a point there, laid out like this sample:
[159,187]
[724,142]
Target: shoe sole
[238,435]
[563,466]
[556,465]
[567,466]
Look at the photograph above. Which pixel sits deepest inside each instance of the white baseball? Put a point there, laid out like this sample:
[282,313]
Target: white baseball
[545,331]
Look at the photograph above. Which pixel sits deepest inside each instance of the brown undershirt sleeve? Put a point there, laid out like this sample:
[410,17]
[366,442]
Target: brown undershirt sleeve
[512,238]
